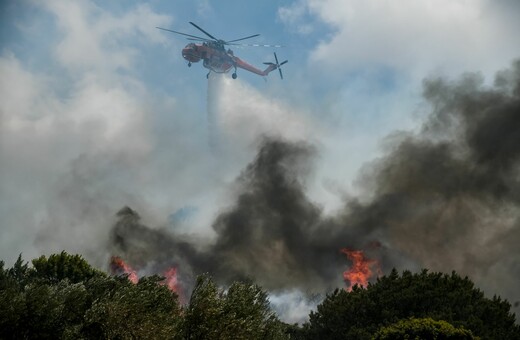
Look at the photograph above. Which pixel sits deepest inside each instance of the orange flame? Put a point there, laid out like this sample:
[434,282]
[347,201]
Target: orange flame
[118,267]
[171,279]
[172,282]
[361,270]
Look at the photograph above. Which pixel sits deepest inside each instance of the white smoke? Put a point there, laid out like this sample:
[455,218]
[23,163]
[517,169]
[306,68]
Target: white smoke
[293,306]
[239,115]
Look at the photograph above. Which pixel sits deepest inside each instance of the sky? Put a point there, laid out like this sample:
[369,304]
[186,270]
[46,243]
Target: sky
[98,110]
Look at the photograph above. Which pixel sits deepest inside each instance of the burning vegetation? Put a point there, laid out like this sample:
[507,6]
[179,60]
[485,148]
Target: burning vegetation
[361,270]
[118,267]
[273,234]
[444,198]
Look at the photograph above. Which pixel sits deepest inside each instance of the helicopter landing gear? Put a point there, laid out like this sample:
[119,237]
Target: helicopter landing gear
[234,75]
[189,64]
[207,75]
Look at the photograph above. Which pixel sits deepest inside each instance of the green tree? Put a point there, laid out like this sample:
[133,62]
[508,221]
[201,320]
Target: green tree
[65,298]
[248,314]
[205,310]
[425,328]
[41,310]
[243,312]
[360,313]
[64,266]
[147,310]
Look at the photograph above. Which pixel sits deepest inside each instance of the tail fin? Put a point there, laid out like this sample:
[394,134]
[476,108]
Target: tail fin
[271,67]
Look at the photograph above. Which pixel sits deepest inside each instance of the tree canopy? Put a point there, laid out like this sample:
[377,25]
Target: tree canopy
[360,313]
[64,266]
[425,328]
[241,312]
[63,297]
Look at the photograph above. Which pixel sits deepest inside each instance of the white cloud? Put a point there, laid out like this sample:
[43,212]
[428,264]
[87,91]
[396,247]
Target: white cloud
[295,16]
[415,36]
[94,38]
[76,143]
[204,8]
[60,157]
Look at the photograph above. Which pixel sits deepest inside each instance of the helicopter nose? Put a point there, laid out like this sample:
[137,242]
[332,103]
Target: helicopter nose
[191,54]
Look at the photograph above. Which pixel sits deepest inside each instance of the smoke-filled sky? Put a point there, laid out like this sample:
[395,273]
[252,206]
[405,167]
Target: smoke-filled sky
[395,130]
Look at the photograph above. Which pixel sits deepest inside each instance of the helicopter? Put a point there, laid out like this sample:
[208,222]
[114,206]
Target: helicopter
[216,58]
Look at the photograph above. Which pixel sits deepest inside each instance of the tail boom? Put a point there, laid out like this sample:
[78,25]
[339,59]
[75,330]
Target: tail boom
[243,65]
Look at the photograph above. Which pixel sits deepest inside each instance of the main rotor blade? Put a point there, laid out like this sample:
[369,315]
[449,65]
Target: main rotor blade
[283,62]
[188,35]
[276,58]
[209,35]
[251,36]
[280,70]
[256,45]
[199,39]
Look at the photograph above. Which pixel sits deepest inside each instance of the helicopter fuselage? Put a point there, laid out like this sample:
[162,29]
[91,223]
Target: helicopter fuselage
[216,58]
[219,60]
[213,58]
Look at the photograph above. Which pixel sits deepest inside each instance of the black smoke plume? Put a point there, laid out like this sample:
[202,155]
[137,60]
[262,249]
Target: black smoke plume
[447,198]
[273,233]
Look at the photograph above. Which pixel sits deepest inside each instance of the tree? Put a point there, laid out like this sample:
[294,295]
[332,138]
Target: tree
[425,328]
[146,310]
[249,314]
[243,312]
[360,313]
[63,297]
[40,310]
[204,312]
[64,266]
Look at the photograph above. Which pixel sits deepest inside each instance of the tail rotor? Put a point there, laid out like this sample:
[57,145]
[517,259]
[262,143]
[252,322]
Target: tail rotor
[277,64]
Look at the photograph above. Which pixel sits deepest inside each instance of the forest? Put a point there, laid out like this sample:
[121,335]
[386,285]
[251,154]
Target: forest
[63,297]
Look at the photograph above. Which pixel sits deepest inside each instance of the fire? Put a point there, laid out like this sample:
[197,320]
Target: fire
[171,279]
[361,271]
[118,267]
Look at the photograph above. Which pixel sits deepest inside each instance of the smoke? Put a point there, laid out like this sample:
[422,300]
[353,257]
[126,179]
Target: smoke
[83,134]
[272,233]
[242,115]
[449,197]
[446,198]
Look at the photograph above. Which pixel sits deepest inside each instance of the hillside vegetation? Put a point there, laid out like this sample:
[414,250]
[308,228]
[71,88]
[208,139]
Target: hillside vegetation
[63,297]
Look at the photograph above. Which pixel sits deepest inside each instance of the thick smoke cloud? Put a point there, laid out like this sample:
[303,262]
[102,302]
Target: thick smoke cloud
[446,198]
[454,189]
[273,233]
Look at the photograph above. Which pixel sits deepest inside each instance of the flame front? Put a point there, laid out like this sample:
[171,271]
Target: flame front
[119,267]
[171,280]
[361,270]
